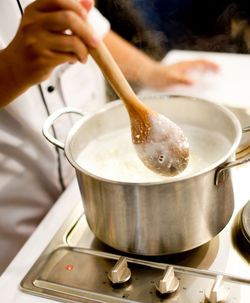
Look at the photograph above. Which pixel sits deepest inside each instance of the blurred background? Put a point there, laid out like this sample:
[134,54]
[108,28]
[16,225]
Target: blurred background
[158,26]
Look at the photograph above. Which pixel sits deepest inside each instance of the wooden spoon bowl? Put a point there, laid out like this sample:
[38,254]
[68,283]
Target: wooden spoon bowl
[160,143]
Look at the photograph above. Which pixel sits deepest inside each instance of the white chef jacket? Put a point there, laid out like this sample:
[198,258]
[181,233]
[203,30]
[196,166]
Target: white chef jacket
[29,165]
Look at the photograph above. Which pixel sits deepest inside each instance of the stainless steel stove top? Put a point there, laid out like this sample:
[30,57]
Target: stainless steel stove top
[77,267]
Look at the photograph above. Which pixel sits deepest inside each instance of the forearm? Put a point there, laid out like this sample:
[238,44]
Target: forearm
[139,67]
[10,87]
[135,65]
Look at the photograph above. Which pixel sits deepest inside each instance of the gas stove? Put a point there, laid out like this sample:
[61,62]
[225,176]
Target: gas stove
[77,267]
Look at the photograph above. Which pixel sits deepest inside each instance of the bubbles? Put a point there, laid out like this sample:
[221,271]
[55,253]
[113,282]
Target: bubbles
[165,149]
[112,156]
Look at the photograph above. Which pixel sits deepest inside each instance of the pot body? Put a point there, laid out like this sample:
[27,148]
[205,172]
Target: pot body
[165,217]
[157,219]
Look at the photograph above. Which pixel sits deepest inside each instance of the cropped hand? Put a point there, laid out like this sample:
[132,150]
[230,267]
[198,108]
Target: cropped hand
[42,41]
[162,75]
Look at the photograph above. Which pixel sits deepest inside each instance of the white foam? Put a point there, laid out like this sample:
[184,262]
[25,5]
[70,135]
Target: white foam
[112,156]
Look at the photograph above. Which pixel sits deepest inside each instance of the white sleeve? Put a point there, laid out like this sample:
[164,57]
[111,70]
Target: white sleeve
[99,23]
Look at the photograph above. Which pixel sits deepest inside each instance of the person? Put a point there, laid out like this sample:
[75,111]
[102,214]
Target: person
[44,65]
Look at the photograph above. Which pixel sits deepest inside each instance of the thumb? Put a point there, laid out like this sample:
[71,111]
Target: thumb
[184,80]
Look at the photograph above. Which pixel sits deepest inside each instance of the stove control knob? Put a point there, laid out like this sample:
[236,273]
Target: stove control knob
[218,293]
[168,283]
[120,273]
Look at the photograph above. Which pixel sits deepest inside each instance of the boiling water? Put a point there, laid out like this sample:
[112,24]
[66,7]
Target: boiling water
[112,156]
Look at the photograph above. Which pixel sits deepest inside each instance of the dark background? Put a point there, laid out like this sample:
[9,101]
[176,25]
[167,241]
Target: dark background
[157,26]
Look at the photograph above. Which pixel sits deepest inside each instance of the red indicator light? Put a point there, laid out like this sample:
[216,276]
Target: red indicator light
[69,267]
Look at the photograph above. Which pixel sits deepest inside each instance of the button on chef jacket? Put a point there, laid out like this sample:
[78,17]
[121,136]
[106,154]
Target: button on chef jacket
[29,164]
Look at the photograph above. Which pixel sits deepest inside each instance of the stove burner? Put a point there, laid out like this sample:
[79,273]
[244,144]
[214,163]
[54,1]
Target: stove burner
[241,232]
[245,221]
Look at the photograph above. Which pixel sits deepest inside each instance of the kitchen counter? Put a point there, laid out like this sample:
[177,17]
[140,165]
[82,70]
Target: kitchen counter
[10,279]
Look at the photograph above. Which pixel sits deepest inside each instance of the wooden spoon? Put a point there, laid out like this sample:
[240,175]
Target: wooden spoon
[159,143]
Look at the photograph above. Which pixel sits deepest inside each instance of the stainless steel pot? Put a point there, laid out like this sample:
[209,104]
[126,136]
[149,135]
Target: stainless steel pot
[164,217]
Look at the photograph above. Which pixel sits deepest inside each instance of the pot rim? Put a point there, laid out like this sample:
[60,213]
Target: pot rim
[118,102]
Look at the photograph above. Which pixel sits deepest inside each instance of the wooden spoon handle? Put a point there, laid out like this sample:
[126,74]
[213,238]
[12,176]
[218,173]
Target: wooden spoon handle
[113,74]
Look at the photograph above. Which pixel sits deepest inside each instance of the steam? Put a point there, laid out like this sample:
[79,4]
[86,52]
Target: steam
[228,32]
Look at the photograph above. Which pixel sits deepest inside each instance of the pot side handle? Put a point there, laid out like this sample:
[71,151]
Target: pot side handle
[219,176]
[51,119]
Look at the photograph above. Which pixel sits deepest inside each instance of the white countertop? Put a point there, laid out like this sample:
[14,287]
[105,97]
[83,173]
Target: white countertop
[10,279]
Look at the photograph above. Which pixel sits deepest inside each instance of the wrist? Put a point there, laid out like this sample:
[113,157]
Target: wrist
[150,73]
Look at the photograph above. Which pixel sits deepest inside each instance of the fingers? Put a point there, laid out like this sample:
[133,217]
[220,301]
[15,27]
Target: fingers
[61,58]
[179,72]
[200,63]
[80,7]
[208,64]
[67,44]
[184,80]
[41,43]
[67,20]
[68,15]
[56,5]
